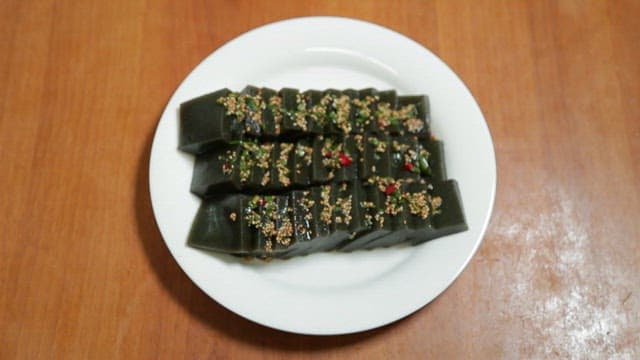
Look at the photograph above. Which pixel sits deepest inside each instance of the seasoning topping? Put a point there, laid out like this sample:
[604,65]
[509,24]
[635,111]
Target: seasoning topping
[359,145]
[418,203]
[345,160]
[368,218]
[363,109]
[415,159]
[272,221]
[246,108]
[336,108]
[229,159]
[335,156]
[322,135]
[408,166]
[303,152]
[339,114]
[282,162]
[299,115]
[435,202]
[343,210]
[405,116]
[390,189]
[275,105]
[307,203]
[327,207]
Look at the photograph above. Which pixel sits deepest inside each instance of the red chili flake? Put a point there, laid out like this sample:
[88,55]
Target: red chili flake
[408,166]
[261,202]
[328,155]
[391,188]
[345,160]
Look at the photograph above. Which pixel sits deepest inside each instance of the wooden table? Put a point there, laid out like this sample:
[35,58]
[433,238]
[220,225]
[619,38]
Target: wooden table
[85,273]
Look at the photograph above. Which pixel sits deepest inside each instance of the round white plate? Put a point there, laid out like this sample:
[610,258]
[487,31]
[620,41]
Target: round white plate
[329,293]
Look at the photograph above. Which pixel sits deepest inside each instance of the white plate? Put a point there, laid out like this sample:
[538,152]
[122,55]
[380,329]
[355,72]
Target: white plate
[329,293]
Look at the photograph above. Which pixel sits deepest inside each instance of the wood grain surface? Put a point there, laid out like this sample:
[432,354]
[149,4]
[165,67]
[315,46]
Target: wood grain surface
[84,273]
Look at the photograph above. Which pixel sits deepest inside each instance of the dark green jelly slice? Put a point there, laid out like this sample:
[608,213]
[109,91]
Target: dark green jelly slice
[302,163]
[286,211]
[420,218]
[409,158]
[281,166]
[388,96]
[216,172]
[294,122]
[347,157]
[252,90]
[271,122]
[247,166]
[275,213]
[333,159]
[342,211]
[204,123]
[326,197]
[320,224]
[252,121]
[352,94]
[304,227]
[349,215]
[447,219]
[316,113]
[390,99]
[421,103]
[410,217]
[257,210]
[220,226]
[375,157]
[326,218]
[377,222]
[332,127]
[365,120]
[321,170]
[260,161]
[437,170]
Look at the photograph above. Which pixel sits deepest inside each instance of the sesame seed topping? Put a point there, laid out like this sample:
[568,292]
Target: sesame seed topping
[327,207]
